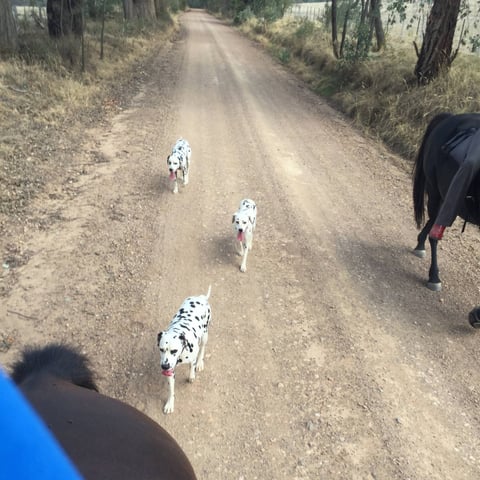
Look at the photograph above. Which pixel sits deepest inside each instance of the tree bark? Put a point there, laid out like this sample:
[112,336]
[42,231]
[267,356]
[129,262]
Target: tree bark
[335,29]
[375,9]
[139,9]
[64,17]
[435,56]
[161,10]
[128,9]
[145,9]
[8,29]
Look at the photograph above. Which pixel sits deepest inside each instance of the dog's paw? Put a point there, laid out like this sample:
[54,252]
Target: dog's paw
[243,268]
[169,406]
[199,366]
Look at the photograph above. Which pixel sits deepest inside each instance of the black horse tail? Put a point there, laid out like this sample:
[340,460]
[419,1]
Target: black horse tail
[418,173]
[61,361]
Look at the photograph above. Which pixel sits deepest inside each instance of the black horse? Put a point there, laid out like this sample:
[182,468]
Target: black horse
[103,437]
[433,171]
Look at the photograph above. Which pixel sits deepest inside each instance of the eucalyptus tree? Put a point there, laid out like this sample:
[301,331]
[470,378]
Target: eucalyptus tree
[359,21]
[8,30]
[65,17]
[139,9]
[436,54]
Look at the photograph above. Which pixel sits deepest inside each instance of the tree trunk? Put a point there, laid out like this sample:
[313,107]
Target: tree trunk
[435,56]
[64,17]
[128,9]
[161,10]
[94,8]
[375,9]
[8,29]
[363,37]
[334,29]
[139,9]
[351,7]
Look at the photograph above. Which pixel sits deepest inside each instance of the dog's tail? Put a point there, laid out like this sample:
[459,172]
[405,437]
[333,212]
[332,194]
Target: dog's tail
[61,361]
[208,293]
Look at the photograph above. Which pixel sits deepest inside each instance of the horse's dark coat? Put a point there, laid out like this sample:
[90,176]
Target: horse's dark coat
[105,438]
[434,169]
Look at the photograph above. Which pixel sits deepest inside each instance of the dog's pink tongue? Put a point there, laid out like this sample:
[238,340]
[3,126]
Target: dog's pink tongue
[167,373]
[172,176]
[241,236]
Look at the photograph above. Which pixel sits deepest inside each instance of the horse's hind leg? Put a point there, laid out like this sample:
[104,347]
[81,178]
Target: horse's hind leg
[474,317]
[434,202]
[434,282]
[419,250]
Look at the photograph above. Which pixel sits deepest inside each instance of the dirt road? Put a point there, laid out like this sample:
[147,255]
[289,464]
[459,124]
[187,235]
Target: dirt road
[328,358]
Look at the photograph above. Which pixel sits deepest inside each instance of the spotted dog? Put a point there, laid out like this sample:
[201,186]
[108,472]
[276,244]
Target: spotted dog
[244,221]
[179,159]
[184,341]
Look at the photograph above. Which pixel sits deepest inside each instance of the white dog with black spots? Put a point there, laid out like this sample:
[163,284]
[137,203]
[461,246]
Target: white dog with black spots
[179,159]
[244,221]
[184,341]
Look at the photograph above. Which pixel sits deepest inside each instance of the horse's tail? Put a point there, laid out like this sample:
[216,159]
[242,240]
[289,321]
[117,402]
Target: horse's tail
[419,174]
[61,361]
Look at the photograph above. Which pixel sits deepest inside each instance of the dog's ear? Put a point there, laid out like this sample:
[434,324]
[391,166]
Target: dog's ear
[159,336]
[233,218]
[168,158]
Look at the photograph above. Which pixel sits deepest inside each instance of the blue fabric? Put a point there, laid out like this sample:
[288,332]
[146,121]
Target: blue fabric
[28,451]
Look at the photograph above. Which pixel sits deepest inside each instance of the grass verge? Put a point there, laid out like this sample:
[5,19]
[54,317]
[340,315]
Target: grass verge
[380,94]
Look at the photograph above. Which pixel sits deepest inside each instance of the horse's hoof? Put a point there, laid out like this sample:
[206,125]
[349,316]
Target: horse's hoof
[434,287]
[419,253]
[474,318]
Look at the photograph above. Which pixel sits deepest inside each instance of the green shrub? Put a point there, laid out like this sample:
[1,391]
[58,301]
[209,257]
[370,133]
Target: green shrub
[243,16]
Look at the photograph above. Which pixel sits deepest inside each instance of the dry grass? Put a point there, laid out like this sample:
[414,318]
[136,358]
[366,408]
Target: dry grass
[381,93]
[44,93]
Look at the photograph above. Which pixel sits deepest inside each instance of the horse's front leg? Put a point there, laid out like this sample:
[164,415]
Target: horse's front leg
[419,250]
[434,282]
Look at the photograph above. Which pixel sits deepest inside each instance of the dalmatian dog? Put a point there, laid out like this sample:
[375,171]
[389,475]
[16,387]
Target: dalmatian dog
[244,221]
[184,341]
[179,159]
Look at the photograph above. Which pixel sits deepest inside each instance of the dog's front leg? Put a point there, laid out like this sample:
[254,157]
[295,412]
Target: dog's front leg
[249,237]
[169,406]
[191,377]
[201,353]
[243,266]
[240,248]
[185,175]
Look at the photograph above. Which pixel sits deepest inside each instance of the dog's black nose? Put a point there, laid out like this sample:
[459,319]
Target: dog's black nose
[165,366]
